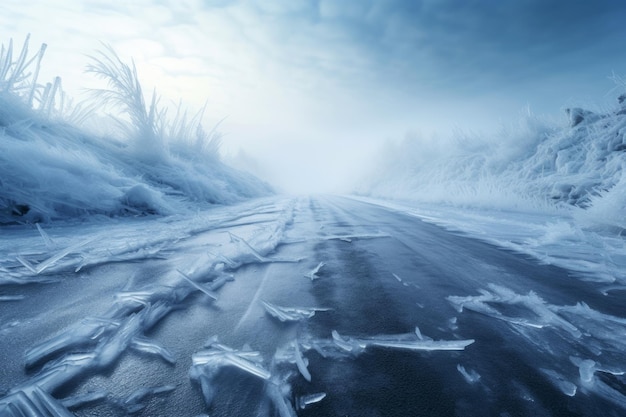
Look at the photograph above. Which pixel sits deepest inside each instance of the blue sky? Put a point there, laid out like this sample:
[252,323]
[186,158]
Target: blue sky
[311,88]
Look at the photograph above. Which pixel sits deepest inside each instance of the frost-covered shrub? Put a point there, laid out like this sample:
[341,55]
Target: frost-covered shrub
[537,164]
[50,168]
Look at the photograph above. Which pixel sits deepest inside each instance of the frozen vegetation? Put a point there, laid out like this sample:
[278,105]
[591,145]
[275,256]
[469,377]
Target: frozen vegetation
[55,163]
[574,164]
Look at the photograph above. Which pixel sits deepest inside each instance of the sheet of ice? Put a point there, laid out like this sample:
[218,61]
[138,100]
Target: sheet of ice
[314,274]
[286,314]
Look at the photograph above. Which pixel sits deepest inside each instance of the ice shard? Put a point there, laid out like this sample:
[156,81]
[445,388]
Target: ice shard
[197,286]
[79,400]
[539,313]
[32,401]
[216,357]
[409,341]
[304,401]
[236,239]
[39,268]
[301,362]
[83,334]
[136,401]
[143,344]
[46,238]
[285,314]
[470,376]
[276,392]
[313,275]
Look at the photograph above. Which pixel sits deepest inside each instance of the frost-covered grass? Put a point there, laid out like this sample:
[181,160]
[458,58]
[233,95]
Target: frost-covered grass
[575,164]
[53,166]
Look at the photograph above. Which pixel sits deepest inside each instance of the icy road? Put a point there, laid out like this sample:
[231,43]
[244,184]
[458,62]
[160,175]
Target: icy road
[320,306]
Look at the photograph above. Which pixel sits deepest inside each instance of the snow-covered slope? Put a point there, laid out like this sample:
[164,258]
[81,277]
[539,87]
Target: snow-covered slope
[51,168]
[576,164]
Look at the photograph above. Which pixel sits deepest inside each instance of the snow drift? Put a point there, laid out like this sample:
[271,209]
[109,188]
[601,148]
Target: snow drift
[53,166]
[576,164]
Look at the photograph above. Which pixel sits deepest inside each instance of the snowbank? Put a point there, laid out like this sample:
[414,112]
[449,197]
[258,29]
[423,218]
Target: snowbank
[576,163]
[52,168]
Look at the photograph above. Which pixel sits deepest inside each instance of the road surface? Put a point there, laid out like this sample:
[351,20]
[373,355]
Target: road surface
[382,315]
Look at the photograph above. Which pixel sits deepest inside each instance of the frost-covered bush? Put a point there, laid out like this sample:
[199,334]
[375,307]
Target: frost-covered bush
[50,168]
[576,162]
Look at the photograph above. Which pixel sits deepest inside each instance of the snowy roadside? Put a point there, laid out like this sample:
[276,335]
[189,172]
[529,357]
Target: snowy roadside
[555,238]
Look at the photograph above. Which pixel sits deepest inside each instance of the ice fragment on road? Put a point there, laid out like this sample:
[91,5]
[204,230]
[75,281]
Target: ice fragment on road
[409,341]
[278,394]
[39,268]
[541,314]
[136,401]
[79,400]
[301,362]
[254,252]
[470,376]
[313,275]
[143,344]
[284,314]
[197,286]
[217,356]
[46,239]
[304,401]
[32,401]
